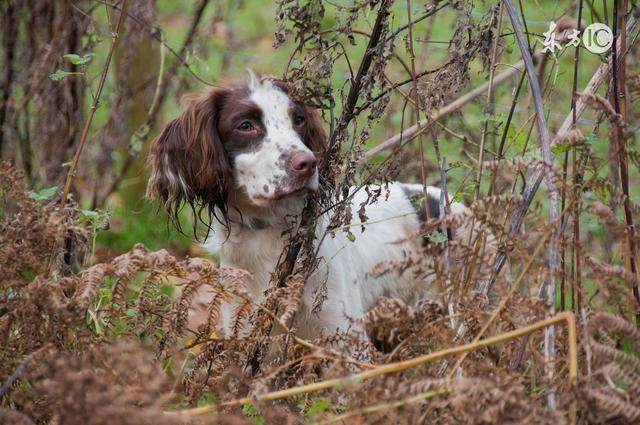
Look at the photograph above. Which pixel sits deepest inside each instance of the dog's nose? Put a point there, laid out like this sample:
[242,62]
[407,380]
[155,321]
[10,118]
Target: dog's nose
[303,164]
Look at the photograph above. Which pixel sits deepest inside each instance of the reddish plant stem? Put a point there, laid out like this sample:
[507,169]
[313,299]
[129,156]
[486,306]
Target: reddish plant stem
[416,97]
[619,77]
[94,107]
[577,284]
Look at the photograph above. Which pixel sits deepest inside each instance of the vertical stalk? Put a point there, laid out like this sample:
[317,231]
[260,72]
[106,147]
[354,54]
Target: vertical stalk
[619,77]
[489,109]
[577,284]
[416,97]
[547,289]
[94,107]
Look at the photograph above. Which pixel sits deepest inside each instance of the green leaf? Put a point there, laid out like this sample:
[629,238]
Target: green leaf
[61,74]
[560,148]
[166,290]
[318,406]
[437,237]
[351,237]
[97,219]
[28,274]
[79,60]
[207,398]
[458,197]
[254,414]
[43,194]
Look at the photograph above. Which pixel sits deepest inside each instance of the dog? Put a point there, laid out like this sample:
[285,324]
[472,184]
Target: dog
[249,153]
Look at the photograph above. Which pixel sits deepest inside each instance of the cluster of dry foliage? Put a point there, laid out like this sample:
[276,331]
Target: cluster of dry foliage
[109,343]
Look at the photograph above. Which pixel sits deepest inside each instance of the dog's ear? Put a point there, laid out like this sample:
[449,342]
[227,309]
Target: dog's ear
[315,136]
[188,161]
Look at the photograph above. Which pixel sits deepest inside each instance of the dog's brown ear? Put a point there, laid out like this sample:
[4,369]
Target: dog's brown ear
[188,161]
[315,136]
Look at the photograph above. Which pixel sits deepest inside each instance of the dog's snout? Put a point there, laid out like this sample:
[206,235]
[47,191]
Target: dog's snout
[303,164]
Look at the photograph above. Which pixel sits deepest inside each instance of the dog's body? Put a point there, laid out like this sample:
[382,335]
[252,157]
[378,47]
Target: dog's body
[249,155]
[347,264]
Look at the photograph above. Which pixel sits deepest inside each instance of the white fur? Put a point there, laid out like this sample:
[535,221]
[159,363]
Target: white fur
[263,172]
[345,265]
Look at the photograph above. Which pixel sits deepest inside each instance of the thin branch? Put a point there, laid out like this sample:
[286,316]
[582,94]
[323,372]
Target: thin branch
[547,289]
[619,77]
[446,110]
[498,310]
[154,32]
[489,107]
[416,100]
[577,188]
[162,89]
[191,32]
[388,405]
[94,107]
[601,75]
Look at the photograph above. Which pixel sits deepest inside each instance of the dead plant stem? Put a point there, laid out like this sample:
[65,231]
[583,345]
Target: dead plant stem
[96,102]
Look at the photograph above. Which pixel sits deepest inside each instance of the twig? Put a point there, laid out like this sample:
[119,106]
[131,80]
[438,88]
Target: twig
[480,241]
[489,106]
[505,131]
[601,74]
[20,369]
[155,34]
[389,405]
[416,99]
[619,71]
[195,22]
[162,84]
[443,112]
[577,190]
[547,289]
[94,107]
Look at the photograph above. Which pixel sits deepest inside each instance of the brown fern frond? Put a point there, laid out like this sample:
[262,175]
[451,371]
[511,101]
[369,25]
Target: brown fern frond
[291,297]
[614,408]
[613,325]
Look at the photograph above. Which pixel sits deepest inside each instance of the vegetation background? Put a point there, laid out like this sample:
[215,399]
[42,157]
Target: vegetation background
[56,62]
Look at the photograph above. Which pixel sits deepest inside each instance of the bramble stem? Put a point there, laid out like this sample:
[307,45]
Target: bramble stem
[94,107]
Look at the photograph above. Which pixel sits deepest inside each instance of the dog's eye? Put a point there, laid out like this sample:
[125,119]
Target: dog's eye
[298,119]
[245,126]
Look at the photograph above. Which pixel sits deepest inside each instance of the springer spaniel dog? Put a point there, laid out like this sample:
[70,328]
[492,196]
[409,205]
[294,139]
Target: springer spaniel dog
[249,154]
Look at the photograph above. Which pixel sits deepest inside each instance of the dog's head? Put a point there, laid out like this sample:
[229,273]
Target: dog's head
[251,144]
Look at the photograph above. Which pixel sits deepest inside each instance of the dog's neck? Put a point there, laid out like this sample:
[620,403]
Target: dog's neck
[281,214]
